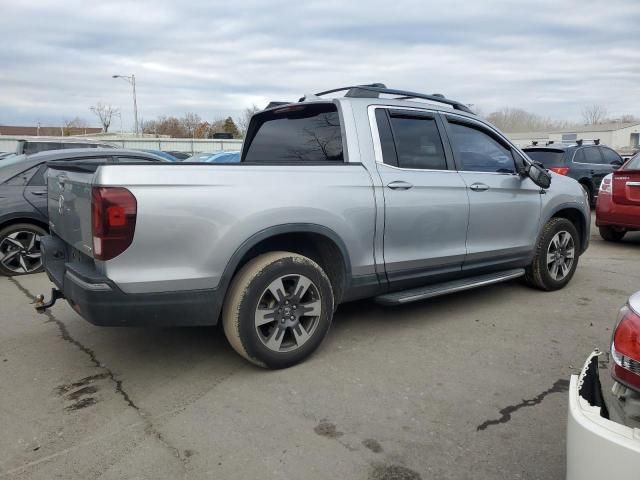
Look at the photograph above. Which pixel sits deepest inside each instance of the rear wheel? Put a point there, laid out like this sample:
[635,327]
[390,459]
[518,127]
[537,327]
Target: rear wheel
[556,256]
[278,309]
[611,234]
[20,249]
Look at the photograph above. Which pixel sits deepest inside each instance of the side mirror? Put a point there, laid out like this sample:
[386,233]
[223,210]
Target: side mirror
[539,175]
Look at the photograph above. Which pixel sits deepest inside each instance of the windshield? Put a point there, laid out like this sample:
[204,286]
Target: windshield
[548,157]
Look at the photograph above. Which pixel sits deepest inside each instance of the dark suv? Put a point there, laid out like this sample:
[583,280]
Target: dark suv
[588,164]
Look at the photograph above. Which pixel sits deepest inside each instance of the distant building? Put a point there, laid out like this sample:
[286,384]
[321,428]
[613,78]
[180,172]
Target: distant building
[47,131]
[623,137]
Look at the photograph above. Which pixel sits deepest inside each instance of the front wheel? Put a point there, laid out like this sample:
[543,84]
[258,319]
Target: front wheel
[278,309]
[611,234]
[556,256]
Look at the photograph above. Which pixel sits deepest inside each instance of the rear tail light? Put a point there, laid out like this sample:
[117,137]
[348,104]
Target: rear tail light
[113,221]
[625,348]
[560,170]
[606,185]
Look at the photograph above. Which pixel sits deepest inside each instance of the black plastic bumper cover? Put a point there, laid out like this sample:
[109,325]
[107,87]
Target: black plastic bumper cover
[99,301]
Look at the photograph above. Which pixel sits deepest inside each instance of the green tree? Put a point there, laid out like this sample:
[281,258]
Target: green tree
[229,126]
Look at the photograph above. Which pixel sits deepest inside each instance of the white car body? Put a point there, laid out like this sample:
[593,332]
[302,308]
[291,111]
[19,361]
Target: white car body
[597,448]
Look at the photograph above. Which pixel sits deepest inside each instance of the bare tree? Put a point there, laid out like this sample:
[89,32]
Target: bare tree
[242,122]
[104,113]
[594,114]
[74,126]
[518,120]
[191,121]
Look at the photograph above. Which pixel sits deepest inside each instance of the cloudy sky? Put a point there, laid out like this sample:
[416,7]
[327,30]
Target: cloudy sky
[215,58]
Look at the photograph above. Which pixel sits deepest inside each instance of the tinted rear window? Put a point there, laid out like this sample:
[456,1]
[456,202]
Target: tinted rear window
[547,156]
[302,133]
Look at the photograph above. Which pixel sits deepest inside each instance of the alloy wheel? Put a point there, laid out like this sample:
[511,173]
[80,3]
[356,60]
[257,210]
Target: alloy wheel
[560,255]
[20,252]
[288,313]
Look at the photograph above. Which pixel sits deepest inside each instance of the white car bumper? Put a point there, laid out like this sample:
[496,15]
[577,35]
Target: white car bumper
[597,448]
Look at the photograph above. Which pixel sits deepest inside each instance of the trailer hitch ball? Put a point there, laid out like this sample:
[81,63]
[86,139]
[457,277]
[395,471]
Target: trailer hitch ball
[41,306]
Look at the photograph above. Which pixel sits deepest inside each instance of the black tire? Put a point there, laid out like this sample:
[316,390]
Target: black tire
[27,256]
[611,234]
[247,292]
[539,274]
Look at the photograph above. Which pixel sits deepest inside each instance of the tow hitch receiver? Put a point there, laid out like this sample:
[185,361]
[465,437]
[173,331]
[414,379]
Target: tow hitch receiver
[39,303]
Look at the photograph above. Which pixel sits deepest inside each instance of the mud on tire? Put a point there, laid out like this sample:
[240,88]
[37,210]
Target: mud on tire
[278,309]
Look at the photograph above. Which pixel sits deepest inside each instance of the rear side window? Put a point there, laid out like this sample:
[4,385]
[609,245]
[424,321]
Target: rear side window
[592,155]
[418,144]
[298,134]
[547,156]
[38,179]
[22,178]
[478,151]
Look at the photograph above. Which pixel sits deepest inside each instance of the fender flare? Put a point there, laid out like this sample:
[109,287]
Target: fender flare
[273,231]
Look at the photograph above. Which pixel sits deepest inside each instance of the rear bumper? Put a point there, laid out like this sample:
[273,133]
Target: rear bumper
[99,301]
[597,447]
[614,214]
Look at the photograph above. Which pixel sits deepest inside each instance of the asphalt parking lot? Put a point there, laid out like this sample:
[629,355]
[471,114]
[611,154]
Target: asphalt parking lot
[471,385]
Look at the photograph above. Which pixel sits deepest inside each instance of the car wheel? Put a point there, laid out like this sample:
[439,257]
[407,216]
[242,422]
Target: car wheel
[20,249]
[556,256]
[611,234]
[278,309]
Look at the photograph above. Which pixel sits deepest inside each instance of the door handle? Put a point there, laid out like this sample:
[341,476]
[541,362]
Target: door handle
[39,193]
[400,185]
[478,187]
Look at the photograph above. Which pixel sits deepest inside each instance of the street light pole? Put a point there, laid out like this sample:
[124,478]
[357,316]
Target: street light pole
[132,82]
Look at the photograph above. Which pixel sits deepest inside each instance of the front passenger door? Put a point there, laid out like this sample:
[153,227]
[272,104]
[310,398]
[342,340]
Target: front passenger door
[505,207]
[426,206]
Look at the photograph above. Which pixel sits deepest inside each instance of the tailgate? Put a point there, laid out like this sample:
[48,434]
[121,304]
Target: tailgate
[626,187]
[69,204]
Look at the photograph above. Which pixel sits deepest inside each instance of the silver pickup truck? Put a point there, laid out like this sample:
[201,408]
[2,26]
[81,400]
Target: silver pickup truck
[378,193]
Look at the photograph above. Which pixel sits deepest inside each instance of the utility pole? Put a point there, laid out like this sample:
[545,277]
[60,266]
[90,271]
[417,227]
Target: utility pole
[132,81]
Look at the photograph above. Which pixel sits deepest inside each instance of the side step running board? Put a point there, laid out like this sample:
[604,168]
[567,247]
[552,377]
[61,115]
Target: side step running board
[420,293]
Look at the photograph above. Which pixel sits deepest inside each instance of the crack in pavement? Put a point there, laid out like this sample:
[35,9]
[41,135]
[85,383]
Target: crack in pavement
[119,389]
[561,385]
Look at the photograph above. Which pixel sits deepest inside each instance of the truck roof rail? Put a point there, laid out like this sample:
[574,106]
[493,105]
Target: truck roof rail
[375,89]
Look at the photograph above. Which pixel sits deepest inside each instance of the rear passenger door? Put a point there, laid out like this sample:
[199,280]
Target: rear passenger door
[35,191]
[426,203]
[505,206]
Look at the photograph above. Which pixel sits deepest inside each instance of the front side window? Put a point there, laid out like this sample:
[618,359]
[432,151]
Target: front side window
[418,143]
[298,134]
[479,152]
[610,156]
[592,155]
